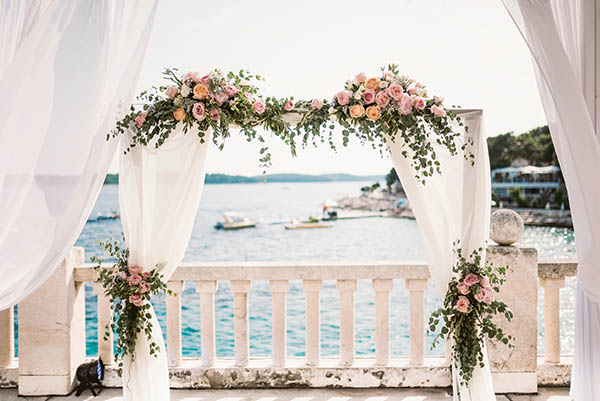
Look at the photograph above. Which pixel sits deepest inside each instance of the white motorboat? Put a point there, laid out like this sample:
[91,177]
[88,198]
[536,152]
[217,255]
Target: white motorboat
[235,221]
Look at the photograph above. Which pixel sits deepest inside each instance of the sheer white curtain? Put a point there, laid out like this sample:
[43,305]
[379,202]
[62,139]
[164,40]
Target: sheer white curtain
[68,69]
[452,206]
[561,37]
[159,194]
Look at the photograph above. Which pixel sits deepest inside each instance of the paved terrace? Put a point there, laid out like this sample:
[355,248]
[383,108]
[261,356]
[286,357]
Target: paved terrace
[544,394]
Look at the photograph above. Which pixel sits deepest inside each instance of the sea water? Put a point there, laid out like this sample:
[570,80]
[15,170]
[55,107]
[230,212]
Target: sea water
[368,240]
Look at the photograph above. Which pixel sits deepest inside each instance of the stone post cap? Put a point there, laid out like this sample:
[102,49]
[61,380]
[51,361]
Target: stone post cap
[506,227]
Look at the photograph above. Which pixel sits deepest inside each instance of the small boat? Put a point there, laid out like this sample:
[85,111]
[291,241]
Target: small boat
[235,221]
[312,223]
[102,217]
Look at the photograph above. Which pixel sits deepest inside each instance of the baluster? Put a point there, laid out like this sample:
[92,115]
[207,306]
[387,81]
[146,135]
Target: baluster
[278,290]
[105,343]
[7,337]
[382,289]
[449,349]
[312,289]
[240,289]
[207,289]
[346,289]
[174,323]
[552,288]
[416,289]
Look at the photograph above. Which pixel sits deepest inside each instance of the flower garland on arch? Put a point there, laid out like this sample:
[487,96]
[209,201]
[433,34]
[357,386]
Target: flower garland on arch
[372,109]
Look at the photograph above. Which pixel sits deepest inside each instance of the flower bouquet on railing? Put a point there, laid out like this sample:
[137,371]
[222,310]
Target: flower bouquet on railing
[212,101]
[129,289]
[469,309]
[389,105]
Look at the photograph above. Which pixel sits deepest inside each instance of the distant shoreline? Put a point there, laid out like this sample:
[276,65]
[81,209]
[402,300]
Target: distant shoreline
[113,179]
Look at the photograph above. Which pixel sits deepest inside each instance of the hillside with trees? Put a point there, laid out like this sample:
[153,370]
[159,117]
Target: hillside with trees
[535,146]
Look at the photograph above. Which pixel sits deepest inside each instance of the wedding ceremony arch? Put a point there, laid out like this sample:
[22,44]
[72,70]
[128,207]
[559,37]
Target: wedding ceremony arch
[161,187]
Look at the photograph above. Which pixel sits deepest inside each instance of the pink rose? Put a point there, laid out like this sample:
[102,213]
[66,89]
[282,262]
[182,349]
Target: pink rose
[122,275]
[172,91]
[412,91]
[388,76]
[214,114]
[136,299]
[140,119]
[317,104]
[198,111]
[382,99]
[134,280]
[205,80]
[146,275]
[196,77]
[462,305]
[471,279]
[438,111]
[485,282]
[135,269]
[369,96]
[188,76]
[289,106]
[343,98]
[463,288]
[231,90]
[438,100]
[221,98]
[480,295]
[419,85]
[144,287]
[395,91]
[406,107]
[360,78]
[419,103]
[259,107]
[488,295]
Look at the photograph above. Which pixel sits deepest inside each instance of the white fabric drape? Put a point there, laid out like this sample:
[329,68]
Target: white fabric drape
[561,37]
[454,205]
[68,69]
[159,194]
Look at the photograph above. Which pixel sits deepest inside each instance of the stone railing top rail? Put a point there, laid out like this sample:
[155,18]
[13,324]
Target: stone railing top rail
[319,271]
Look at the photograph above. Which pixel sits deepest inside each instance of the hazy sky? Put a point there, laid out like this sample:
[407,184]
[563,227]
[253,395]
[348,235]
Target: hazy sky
[467,51]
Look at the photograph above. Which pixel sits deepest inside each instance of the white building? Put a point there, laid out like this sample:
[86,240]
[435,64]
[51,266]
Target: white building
[533,181]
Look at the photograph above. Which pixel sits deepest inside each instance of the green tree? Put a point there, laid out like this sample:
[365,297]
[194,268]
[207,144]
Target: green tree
[517,197]
[391,178]
[535,146]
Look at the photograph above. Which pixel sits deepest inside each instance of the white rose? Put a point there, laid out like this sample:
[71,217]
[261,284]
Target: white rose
[331,110]
[421,92]
[357,95]
[185,91]
[383,84]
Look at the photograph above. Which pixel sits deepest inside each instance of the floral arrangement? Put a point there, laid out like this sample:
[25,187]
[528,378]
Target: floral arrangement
[468,310]
[389,105]
[129,289]
[212,101]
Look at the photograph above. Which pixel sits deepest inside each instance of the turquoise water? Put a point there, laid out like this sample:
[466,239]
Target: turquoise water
[373,239]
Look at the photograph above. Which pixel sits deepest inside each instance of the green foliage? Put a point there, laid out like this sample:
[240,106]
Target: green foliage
[518,198]
[474,283]
[391,178]
[535,146]
[130,297]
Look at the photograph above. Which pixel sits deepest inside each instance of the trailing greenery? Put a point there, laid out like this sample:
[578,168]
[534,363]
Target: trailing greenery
[129,289]
[468,309]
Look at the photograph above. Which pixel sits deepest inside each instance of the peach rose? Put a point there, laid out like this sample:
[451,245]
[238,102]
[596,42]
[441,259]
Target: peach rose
[382,99]
[395,91]
[135,269]
[317,104]
[198,111]
[171,91]
[179,114]
[357,111]
[463,288]
[374,113]
[343,97]
[214,114]
[438,111]
[360,78]
[419,103]
[136,299]
[144,287]
[289,106]
[471,279]
[259,107]
[372,83]
[462,305]
[200,91]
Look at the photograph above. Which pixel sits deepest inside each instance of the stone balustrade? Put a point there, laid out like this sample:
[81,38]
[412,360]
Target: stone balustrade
[52,339]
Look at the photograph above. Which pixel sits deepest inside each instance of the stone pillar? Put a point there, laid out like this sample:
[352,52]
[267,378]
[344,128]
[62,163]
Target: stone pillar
[346,289]
[174,338]
[312,289]
[514,370]
[416,303]
[7,337]
[552,288]
[278,290]
[52,332]
[240,289]
[207,289]
[382,289]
